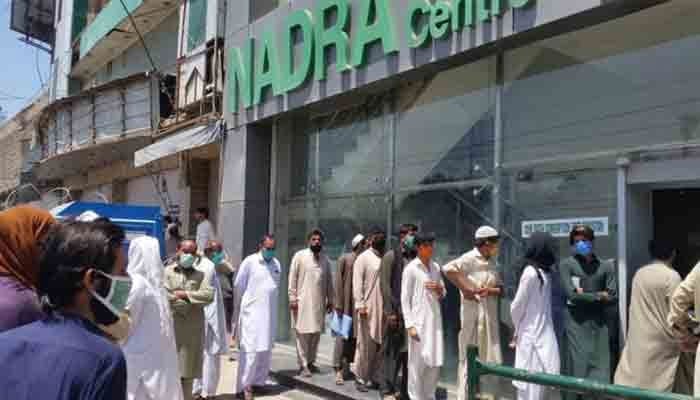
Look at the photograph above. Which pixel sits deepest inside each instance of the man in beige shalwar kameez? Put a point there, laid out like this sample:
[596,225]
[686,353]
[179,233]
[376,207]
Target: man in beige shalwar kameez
[369,308]
[685,297]
[189,291]
[310,299]
[652,353]
[475,275]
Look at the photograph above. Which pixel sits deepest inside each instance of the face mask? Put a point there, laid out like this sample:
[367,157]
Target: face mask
[379,244]
[217,257]
[316,248]
[186,261]
[409,243]
[112,297]
[583,248]
[269,254]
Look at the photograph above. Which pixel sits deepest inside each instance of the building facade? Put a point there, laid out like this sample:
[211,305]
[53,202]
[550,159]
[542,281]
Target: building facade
[17,134]
[525,115]
[129,79]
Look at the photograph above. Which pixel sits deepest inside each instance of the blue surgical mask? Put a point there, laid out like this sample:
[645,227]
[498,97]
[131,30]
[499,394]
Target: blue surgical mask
[186,261]
[217,257]
[583,248]
[268,254]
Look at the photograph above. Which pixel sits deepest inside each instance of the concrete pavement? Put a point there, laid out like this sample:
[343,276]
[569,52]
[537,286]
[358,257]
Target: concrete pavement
[227,386]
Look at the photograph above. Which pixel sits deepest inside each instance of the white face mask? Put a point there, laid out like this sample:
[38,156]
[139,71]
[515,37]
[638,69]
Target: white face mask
[116,298]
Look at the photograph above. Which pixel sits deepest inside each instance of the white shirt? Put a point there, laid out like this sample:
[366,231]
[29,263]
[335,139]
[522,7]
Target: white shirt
[257,292]
[421,309]
[149,349]
[205,233]
[531,311]
[214,312]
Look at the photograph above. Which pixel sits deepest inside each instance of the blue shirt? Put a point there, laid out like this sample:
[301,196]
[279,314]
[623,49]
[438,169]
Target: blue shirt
[62,357]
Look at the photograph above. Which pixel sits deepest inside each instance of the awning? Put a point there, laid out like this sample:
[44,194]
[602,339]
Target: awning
[185,140]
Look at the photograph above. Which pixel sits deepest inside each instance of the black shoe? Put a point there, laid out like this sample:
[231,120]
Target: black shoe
[314,369]
[361,387]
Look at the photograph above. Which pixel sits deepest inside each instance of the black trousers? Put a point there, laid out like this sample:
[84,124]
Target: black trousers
[228,310]
[344,351]
[395,361]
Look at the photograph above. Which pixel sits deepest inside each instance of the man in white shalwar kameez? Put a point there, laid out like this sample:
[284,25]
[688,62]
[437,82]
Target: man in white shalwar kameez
[475,275]
[536,343]
[257,292]
[215,343]
[205,229]
[153,372]
[422,289]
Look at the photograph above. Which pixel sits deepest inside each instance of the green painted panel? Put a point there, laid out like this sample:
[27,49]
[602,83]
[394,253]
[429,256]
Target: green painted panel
[79,17]
[196,23]
[110,16]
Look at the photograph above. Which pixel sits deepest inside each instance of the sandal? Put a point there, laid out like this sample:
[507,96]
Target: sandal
[339,380]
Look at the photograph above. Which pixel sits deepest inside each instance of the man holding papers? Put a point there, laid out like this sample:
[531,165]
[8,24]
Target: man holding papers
[343,303]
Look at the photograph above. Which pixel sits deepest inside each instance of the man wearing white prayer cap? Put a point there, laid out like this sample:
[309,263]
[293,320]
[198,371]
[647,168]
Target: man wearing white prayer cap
[475,275]
[344,351]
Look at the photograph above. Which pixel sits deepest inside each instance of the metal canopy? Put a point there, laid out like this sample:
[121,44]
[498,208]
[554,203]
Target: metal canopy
[189,139]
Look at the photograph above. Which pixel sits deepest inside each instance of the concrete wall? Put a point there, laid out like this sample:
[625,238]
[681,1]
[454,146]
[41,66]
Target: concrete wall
[245,190]
[162,44]
[62,52]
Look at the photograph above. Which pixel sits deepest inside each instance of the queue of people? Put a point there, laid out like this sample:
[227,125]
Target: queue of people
[81,320]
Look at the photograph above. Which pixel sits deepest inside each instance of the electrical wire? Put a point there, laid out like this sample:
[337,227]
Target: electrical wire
[136,29]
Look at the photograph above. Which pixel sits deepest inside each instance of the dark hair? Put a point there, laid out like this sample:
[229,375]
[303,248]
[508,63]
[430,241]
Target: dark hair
[72,248]
[316,232]
[582,230]
[168,219]
[267,236]
[540,253]
[424,238]
[661,249]
[375,230]
[405,228]
[204,211]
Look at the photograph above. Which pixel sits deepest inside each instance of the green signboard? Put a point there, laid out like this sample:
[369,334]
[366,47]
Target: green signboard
[263,63]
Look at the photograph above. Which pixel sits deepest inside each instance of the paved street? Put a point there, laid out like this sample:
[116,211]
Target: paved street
[228,381]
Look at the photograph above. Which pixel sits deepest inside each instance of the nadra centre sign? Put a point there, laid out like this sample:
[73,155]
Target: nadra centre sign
[254,67]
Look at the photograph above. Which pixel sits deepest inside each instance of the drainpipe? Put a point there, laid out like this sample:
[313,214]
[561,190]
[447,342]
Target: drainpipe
[498,146]
[622,166]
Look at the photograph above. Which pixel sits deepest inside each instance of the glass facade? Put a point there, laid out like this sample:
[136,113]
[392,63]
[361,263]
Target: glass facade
[527,135]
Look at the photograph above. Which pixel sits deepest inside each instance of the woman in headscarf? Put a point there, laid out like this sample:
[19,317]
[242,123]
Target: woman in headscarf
[531,310]
[151,355]
[21,230]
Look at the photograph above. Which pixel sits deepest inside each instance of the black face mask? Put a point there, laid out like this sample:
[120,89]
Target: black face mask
[103,315]
[379,245]
[316,248]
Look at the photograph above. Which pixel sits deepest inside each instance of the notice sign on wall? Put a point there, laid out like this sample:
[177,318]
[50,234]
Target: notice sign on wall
[562,227]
